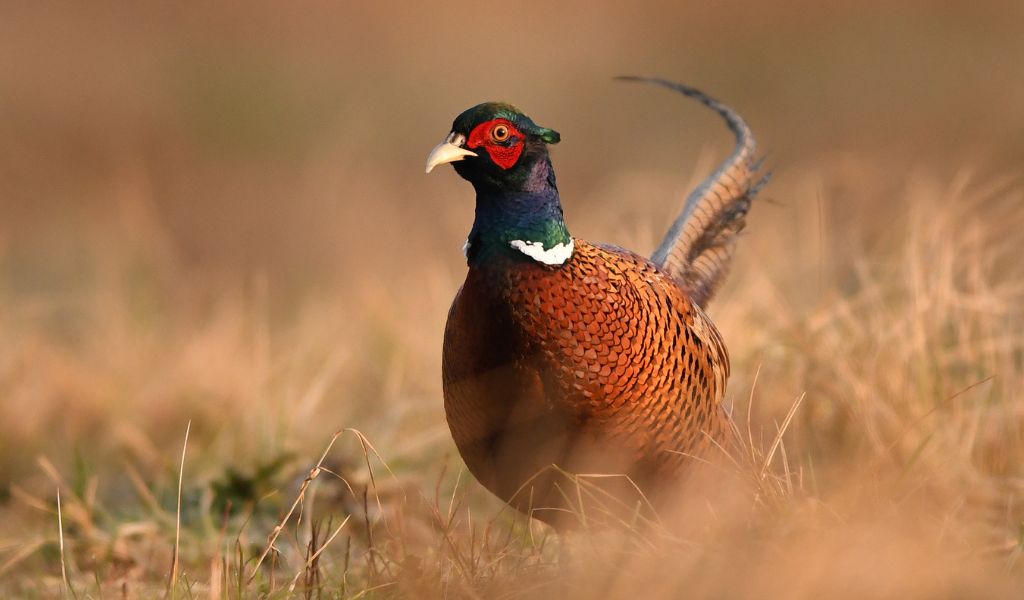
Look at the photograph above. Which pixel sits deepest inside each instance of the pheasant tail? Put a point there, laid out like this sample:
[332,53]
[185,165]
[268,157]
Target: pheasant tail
[698,249]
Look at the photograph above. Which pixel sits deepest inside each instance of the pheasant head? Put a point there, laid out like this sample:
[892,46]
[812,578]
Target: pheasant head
[504,154]
[494,145]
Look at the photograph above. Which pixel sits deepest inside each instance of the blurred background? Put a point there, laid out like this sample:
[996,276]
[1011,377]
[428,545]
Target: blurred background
[217,214]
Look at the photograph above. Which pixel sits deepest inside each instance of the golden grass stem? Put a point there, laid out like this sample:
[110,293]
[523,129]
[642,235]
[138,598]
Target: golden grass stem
[780,433]
[313,473]
[177,516]
[750,410]
[316,555]
[60,535]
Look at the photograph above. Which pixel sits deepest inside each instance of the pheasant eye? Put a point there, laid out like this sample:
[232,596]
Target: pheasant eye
[500,133]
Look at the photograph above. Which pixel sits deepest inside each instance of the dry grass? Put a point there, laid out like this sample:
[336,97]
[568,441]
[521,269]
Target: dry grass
[218,225]
[897,389]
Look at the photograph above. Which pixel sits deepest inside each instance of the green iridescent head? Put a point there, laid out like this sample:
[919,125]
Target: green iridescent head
[494,145]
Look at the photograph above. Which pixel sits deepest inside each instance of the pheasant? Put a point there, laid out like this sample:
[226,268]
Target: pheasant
[563,357]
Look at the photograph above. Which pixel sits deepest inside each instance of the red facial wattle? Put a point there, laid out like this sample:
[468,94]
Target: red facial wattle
[506,153]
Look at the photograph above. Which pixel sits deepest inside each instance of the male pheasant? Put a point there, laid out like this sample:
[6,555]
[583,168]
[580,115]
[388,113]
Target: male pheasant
[567,357]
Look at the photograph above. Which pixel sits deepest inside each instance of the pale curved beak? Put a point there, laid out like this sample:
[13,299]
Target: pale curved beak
[448,151]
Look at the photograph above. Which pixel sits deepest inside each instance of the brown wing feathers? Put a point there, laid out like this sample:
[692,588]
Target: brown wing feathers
[698,249]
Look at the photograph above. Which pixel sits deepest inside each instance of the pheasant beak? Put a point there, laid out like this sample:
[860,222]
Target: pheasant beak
[448,151]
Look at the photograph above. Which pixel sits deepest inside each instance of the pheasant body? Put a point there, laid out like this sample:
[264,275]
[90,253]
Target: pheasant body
[601,365]
[559,352]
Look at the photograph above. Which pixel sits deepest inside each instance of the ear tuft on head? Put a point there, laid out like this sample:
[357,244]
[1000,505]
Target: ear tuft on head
[550,135]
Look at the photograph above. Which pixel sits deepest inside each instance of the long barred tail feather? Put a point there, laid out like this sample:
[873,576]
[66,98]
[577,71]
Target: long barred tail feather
[698,249]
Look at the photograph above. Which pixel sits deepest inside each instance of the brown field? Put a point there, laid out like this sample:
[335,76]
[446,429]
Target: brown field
[215,220]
